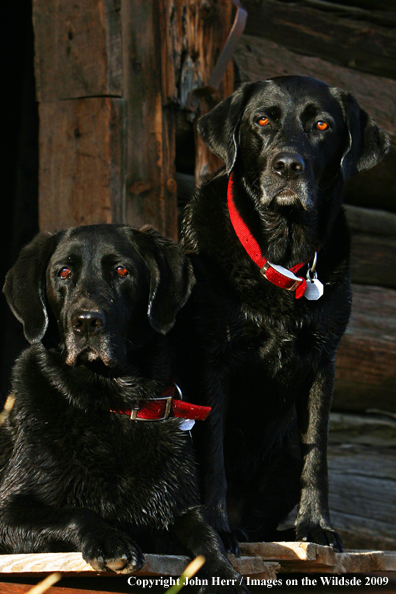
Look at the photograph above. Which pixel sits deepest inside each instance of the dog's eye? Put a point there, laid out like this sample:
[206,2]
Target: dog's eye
[321,125]
[122,272]
[65,273]
[263,122]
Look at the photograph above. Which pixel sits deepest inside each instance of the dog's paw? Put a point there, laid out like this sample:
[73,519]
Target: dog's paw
[320,534]
[230,542]
[112,550]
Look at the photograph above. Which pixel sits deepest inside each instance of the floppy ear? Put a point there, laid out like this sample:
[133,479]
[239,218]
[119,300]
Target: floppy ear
[368,143]
[24,286]
[218,128]
[171,277]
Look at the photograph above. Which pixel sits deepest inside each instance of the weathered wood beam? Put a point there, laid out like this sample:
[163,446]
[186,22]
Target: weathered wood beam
[358,44]
[77,49]
[82,162]
[365,363]
[286,557]
[373,250]
[168,565]
[367,473]
[258,59]
[375,429]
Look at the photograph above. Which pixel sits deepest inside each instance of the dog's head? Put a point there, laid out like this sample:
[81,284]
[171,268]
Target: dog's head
[292,138]
[104,288]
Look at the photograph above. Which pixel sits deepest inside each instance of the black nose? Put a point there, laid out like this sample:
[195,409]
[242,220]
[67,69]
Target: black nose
[288,165]
[88,322]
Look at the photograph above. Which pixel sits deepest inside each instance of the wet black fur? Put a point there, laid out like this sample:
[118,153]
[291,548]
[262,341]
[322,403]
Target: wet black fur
[261,358]
[75,476]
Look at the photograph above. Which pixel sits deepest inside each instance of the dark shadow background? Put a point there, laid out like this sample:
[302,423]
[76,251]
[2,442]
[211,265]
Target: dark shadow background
[19,162]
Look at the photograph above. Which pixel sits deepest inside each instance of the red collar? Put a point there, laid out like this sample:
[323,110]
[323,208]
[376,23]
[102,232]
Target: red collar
[160,409]
[277,275]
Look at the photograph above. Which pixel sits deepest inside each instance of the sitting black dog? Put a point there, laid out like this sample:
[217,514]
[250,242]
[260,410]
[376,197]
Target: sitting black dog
[270,250]
[86,463]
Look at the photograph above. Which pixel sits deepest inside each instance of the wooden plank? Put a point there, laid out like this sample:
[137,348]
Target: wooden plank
[365,369]
[77,49]
[330,35]
[155,565]
[73,563]
[349,562]
[281,551]
[7,588]
[82,163]
[258,59]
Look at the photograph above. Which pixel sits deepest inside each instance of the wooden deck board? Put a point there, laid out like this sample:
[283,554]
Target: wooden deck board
[257,559]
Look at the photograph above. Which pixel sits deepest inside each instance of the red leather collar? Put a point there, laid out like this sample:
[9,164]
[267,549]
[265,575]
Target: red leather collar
[160,409]
[275,274]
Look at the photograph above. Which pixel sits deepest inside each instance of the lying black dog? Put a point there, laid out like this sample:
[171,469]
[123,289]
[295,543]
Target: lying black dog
[78,470]
[261,353]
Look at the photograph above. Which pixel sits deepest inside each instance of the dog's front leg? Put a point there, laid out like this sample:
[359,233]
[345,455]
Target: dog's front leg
[29,526]
[200,538]
[209,439]
[313,411]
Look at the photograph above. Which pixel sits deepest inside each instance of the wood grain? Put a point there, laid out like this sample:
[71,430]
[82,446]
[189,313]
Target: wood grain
[330,34]
[81,163]
[365,363]
[77,49]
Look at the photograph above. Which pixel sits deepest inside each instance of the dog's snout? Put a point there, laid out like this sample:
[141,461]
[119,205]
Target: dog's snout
[288,165]
[88,322]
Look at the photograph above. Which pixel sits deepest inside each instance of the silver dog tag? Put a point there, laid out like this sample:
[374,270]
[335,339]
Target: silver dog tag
[186,424]
[314,290]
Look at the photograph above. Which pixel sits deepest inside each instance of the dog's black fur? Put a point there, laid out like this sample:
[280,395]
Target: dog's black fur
[261,358]
[75,476]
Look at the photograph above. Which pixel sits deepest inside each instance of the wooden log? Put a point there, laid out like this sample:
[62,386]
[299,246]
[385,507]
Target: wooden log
[365,369]
[362,494]
[82,163]
[369,429]
[77,49]
[330,35]
[373,250]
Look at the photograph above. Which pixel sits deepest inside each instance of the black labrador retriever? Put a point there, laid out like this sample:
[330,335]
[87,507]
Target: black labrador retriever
[270,250]
[95,454]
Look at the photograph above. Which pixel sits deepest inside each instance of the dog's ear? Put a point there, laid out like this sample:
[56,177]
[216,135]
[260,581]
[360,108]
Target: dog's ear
[219,127]
[24,286]
[171,277]
[368,143]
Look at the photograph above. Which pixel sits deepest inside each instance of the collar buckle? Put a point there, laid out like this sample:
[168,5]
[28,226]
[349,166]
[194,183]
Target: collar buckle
[168,408]
[280,272]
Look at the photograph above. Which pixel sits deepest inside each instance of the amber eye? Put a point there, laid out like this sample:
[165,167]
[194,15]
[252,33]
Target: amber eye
[65,273]
[122,272]
[321,125]
[263,122]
